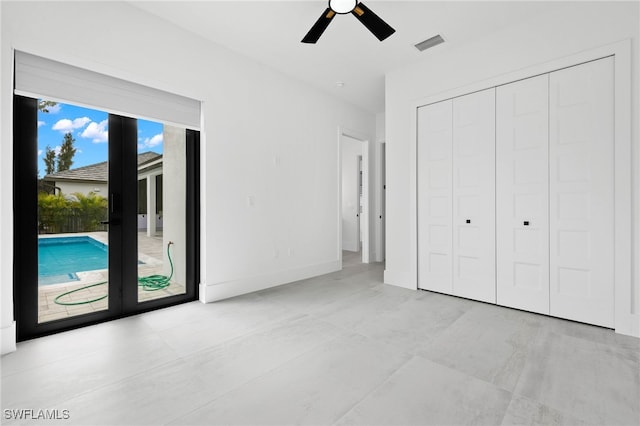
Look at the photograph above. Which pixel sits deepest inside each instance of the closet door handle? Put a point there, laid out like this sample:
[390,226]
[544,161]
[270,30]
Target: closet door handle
[526,223]
[468,220]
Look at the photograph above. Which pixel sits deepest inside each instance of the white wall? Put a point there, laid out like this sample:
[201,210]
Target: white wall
[270,143]
[351,150]
[68,188]
[569,29]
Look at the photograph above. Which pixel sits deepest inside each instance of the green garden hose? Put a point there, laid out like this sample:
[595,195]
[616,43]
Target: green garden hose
[58,302]
[149,283]
[157,282]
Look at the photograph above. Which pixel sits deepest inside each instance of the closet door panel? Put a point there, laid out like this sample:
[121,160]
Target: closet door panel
[522,194]
[434,197]
[582,193]
[474,196]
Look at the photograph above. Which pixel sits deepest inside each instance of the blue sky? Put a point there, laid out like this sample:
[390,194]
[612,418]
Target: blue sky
[89,129]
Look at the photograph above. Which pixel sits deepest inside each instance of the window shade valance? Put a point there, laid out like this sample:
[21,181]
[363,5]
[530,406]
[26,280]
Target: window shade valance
[47,79]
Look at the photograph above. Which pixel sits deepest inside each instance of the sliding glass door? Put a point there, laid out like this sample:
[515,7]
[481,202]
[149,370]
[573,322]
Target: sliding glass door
[106,215]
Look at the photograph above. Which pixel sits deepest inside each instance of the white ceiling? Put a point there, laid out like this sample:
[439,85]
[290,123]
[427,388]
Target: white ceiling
[270,32]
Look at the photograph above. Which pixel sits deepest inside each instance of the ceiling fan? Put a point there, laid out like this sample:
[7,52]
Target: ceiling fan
[373,22]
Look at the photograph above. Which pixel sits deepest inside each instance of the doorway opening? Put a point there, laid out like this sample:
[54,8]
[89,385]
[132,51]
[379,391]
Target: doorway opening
[354,199]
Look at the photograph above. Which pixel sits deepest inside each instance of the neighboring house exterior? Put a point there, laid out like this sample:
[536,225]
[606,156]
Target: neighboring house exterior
[94,178]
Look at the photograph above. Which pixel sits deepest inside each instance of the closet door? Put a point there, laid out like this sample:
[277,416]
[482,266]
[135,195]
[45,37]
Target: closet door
[434,197]
[522,194]
[581,193]
[474,273]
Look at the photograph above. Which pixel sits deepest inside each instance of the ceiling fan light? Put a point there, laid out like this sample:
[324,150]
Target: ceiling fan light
[343,6]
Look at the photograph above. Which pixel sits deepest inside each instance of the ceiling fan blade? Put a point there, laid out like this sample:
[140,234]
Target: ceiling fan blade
[318,28]
[373,22]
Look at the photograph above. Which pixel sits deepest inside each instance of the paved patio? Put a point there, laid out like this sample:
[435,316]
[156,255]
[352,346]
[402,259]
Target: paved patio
[150,252]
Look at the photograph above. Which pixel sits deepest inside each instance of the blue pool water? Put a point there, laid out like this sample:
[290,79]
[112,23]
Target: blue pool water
[59,258]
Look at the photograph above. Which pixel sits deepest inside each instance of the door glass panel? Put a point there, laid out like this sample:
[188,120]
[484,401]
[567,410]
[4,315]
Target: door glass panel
[162,188]
[72,206]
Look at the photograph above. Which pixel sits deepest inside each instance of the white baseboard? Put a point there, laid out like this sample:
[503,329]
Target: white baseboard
[220,291]
[8,338]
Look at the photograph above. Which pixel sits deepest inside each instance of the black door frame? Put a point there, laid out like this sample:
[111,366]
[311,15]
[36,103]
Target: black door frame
[123,268]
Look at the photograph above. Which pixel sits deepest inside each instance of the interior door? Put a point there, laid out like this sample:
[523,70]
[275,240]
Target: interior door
[383,201]
[522,194]
[474,273]
[582,193]
[435,235]
[360,204]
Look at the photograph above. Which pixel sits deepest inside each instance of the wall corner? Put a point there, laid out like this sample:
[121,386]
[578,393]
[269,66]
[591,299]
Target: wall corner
[8,338]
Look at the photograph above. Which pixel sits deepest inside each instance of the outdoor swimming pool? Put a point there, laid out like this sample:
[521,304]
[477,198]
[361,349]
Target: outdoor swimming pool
[59,258]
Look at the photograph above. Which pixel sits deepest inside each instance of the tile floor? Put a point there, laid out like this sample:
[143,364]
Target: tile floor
[338,349]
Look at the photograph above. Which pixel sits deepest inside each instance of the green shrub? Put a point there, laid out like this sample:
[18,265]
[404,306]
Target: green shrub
[75,213]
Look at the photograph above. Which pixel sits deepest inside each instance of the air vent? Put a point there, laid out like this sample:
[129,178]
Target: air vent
[433,41]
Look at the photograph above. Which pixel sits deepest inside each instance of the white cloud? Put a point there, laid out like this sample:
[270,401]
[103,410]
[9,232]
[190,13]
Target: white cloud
[96,131]
[152,141]
[40,152]
[57,149]
[41,123]
[54,109]
[65,125]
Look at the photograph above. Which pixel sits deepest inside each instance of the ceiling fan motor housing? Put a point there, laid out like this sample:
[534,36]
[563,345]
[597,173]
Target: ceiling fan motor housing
[343,7]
